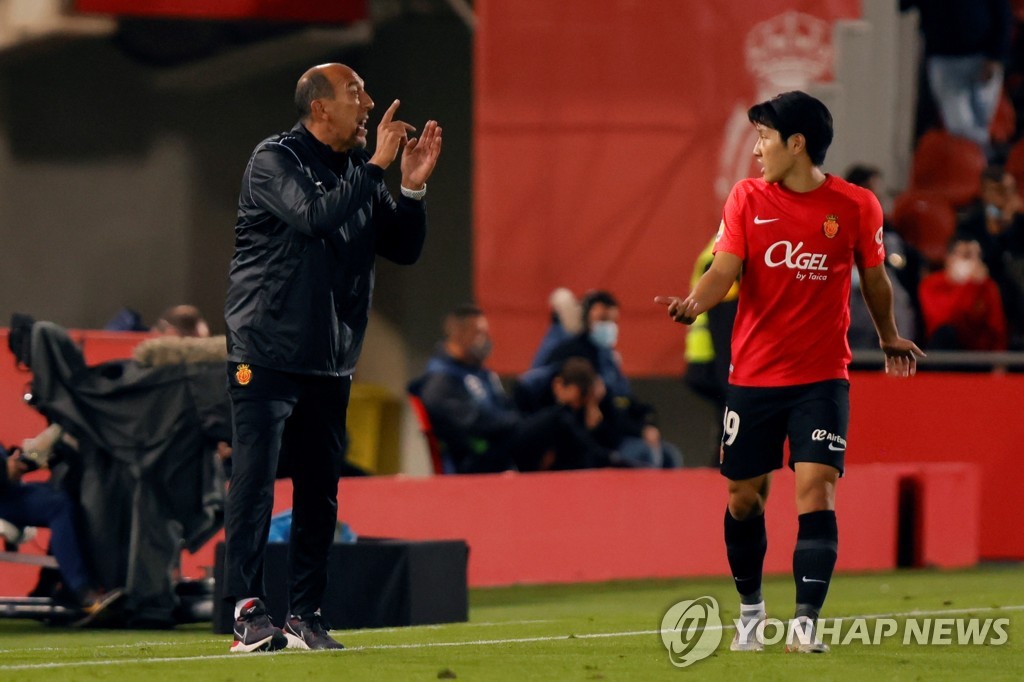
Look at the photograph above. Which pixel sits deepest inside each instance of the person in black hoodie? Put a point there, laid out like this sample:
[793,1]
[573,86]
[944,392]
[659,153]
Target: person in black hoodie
[313,214]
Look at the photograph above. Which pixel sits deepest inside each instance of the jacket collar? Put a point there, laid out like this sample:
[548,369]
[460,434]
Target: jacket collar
[336,161]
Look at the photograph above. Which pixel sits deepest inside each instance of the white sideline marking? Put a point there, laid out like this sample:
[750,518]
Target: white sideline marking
[428,645]
[342,633]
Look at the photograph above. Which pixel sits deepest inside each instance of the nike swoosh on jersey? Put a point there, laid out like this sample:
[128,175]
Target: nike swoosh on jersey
[835,449]
[762,221]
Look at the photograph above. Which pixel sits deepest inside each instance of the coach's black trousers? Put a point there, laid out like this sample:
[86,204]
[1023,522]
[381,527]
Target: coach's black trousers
[291,425]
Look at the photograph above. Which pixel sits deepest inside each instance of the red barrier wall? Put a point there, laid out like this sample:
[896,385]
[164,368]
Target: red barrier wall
[933,417]
[589,526]
[598,525]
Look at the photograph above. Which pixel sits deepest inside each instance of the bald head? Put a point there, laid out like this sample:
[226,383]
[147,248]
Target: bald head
[318,83]
[334,106]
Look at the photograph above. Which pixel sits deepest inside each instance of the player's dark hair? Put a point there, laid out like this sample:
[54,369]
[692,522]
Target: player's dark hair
[314,86]
[592,298]
[797,112]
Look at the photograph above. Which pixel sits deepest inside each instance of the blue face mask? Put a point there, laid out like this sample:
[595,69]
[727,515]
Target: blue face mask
[604,334]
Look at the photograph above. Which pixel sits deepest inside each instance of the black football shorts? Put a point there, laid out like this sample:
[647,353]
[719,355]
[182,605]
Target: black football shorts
[758,420]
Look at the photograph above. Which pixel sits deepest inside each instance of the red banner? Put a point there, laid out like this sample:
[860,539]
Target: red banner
[607,135]
[314,11]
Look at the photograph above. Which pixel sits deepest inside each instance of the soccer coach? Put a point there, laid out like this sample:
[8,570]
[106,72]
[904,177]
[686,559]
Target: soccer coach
[313,214]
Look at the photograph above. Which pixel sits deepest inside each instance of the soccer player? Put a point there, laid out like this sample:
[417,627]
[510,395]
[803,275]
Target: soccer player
[796,234]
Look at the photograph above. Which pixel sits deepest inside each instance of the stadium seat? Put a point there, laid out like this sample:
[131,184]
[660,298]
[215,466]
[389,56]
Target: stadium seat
[927,221]
[1004,123]
[437,458]
[948,164]
[1015,162]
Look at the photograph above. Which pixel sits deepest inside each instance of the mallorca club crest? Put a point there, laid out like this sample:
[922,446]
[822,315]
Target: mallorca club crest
[831,225]
[243,375]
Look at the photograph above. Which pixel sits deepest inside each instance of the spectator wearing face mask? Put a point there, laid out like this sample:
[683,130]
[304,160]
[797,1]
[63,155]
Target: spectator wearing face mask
[630,425]
[961,304]
[996,221]
[479,428]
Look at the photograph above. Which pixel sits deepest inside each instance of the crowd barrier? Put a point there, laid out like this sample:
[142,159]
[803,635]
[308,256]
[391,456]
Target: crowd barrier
[930,459]
[589,526]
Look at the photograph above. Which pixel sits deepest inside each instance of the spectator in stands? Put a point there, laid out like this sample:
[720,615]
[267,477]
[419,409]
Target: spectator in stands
[476,422]
[966,44]
[961,303]
[183,320]
[39,504]
[566,321]
[630,424]
[903,264]
[996,221]
[183,336]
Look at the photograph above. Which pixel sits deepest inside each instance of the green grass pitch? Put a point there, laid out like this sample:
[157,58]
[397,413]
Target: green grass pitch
[606,631]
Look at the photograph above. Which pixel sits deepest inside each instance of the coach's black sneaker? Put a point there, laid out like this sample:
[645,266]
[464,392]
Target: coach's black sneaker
[255,632]
[309,633]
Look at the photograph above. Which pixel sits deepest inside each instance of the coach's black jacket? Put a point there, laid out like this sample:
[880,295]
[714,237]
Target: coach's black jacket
[310,223]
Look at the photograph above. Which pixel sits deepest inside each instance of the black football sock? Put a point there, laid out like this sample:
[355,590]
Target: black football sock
[745,545]
[813,560]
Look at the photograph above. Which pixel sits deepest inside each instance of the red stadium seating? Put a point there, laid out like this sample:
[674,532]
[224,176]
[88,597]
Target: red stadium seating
[948,164]
[926,220]
[1004,123]
[1015,162]
[423,419]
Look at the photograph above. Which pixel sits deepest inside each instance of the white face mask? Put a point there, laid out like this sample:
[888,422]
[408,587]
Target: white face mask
[960,270]
[605,334]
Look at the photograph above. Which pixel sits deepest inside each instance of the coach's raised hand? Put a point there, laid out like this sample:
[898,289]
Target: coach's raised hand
[391,136]
[420,156]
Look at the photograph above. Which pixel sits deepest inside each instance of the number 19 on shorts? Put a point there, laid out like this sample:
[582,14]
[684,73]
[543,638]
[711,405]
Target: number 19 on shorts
[730,426]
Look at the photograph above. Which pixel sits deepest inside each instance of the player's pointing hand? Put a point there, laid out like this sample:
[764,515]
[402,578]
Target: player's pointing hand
[684,311]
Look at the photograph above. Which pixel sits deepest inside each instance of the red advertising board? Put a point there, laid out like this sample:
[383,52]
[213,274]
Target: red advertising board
[607,135]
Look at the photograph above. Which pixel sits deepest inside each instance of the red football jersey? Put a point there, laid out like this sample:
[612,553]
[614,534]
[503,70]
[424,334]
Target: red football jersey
[798,249]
